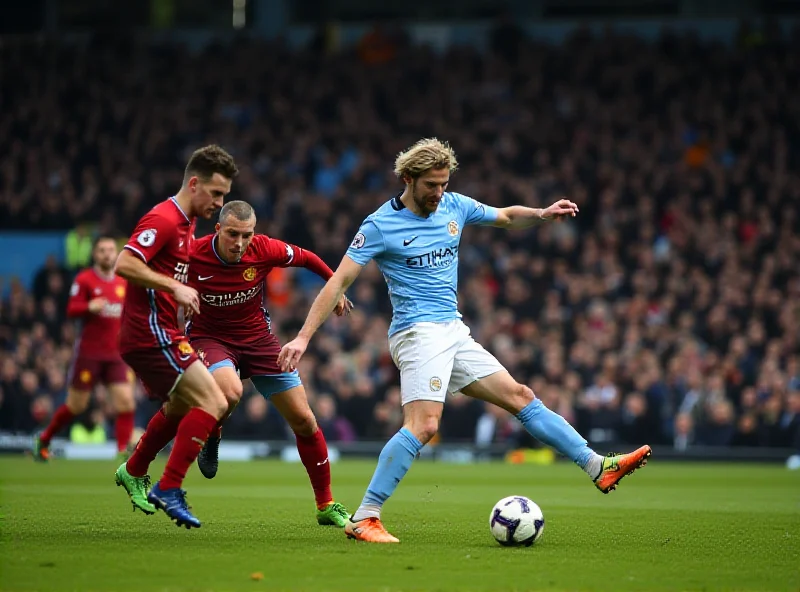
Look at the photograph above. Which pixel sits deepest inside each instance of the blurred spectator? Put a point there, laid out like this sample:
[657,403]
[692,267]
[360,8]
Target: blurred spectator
[78,248]
[718,427]
[335,427]
[684,431]
[495,426]
[637,423]
[746,431]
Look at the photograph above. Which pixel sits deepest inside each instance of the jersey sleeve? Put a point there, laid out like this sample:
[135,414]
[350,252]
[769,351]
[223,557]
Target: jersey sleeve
[273,252]
[150,236]
[367,244]
[78,303]
[276,253]
[476,212]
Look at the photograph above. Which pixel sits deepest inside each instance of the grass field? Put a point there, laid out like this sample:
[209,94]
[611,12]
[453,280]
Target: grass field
[65,526]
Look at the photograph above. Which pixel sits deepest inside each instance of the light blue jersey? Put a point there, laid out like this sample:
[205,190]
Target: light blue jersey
[419,256]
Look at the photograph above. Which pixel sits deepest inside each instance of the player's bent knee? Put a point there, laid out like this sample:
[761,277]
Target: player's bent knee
[78,401]
[304,424]
[232,392]
[198,388]
[424,429]
[521,397]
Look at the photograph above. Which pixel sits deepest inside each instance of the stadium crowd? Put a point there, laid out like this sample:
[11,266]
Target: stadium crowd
[668,312]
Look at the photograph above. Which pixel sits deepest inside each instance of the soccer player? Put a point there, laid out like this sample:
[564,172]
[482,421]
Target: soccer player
[95,299]
[233,335]
[156,263]
[414,239]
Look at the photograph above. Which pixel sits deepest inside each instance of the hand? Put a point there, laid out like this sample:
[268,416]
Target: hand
[188,298]
[343,307]
[291,353]
[97,304]
[563,208]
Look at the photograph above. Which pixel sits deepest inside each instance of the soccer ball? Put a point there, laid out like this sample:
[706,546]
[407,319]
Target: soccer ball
[516,522]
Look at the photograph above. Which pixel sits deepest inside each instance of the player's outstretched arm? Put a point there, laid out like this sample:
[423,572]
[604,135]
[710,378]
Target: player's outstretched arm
[522,217]
[312,262]
[324,303]
[133,269]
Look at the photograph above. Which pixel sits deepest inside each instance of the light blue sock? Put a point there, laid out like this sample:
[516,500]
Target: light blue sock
[393,464]
[552,429]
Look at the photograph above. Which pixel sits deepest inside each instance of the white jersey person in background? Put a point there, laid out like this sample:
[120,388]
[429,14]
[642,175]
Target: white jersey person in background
[414,239]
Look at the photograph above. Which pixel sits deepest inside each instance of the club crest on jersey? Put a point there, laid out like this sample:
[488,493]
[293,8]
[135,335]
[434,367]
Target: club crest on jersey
[185,348]
[452,227]
[120,292]
[147,237]
[358,241]
[249,274]
[436,384]
[85,376]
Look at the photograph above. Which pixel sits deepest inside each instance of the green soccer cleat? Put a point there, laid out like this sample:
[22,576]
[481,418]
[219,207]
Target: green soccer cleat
[136,487]
[335,514]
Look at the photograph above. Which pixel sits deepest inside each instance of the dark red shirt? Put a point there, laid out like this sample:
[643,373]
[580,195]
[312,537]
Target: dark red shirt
[233,295]
[162,240]
[99,332]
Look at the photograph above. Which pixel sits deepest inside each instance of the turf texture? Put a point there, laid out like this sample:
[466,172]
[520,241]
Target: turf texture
[64,527]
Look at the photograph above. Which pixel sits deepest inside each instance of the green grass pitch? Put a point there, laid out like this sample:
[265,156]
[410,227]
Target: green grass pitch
[65,527]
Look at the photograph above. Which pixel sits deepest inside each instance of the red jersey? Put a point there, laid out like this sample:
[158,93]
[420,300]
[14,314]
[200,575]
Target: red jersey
[233,295]
[162,240]
[99,332]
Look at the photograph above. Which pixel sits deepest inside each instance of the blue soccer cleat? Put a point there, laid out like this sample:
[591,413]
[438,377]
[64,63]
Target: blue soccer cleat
[173,503]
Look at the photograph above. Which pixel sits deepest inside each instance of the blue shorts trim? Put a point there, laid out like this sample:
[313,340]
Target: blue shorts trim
[272,384]
[226,363]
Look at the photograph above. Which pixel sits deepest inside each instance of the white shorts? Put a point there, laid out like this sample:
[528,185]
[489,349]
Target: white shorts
[437,358]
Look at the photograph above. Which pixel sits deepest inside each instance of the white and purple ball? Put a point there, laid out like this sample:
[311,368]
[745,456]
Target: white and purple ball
[516,521]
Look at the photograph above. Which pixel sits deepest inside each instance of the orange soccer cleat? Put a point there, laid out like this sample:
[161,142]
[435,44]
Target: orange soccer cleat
[370,530]
[616,466]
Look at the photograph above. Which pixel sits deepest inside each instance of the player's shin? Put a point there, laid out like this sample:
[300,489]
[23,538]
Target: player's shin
[61,419]
[313,452]
[123,428]
[552,429]
[159,432]
[192,434]
[393,464]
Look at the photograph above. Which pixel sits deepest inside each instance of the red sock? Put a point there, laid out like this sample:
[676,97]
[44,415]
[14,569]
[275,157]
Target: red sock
[61,419]
[189,441]
[124,430]
[314,453]
[159,432]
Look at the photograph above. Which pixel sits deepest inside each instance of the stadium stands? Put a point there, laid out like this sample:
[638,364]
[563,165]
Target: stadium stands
[669,311]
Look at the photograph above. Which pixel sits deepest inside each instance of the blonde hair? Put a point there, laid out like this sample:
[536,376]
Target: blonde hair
[427,154]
